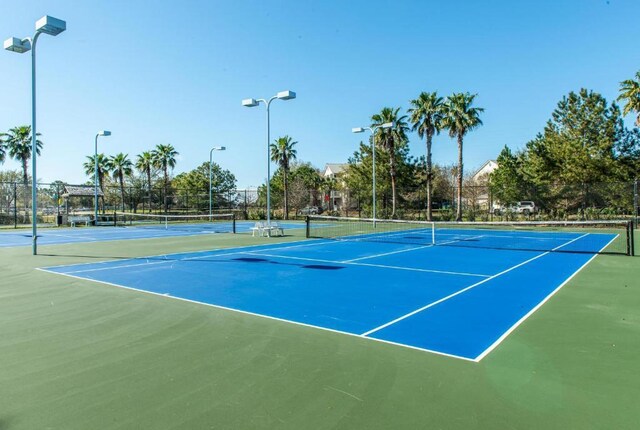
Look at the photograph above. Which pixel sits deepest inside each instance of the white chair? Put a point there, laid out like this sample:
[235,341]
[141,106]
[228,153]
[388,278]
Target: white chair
[276,229]
[257,228]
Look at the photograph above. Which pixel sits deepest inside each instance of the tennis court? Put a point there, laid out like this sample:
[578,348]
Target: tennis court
[459,296]
[126,231]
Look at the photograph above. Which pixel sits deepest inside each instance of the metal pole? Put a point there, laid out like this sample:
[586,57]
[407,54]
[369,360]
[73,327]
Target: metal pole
[95,180]
[15,205]
[373,146]
[210,200]
[373,150]
[635,202]
[34,147]
[58,205]
[268,167]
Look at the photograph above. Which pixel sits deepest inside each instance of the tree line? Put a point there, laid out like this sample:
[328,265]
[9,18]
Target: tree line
[428,115]
[584,142]
[120,167]
[583,159]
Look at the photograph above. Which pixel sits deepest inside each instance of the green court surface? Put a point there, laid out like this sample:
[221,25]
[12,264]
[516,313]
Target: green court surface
[76,354]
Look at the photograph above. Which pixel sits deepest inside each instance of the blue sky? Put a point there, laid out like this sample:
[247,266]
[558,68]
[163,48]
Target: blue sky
[176,71]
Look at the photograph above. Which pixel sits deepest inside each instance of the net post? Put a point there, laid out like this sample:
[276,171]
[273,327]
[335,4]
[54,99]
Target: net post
[234,222]
[630,240]
[433,233]
[307,221]
[115,219]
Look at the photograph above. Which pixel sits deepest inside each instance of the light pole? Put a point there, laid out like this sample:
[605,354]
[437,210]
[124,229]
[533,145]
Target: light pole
[215,148]
[95,175]
[282,95]
[373,130]
[51,26]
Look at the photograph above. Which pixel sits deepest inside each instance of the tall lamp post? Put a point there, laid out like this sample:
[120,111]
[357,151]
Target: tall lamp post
[373,130]
[215,148]
[95,175]
[282,95]
[51,26]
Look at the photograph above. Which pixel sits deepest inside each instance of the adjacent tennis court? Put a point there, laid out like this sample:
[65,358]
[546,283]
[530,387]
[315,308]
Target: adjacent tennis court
[459,294]
[128,230]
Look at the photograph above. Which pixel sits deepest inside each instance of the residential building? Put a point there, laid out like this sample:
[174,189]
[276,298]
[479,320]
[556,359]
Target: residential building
[336,200]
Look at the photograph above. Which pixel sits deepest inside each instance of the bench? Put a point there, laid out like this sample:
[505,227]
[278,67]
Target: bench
[258,228]
[262,229]
[74,219]
[276,229]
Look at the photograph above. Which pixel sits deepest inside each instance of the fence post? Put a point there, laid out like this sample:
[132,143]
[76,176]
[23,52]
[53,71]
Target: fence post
[635,202]
[246,214]
[15,205]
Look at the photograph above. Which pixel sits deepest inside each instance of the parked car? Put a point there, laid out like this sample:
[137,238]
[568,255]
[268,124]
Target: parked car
[310,210]
[525,207]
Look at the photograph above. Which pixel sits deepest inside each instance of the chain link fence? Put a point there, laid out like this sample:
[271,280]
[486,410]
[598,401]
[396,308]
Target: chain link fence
[600,201]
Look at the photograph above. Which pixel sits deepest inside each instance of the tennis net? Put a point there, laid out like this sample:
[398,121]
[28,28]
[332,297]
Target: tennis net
[217,223]
[593,237]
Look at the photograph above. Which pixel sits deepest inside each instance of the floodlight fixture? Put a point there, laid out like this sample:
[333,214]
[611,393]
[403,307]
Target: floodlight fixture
[45,25]
[17,45]
[282,95]
[286,95]
[95,175]
[373,130]
[249,103]
[215,148]
[50,25]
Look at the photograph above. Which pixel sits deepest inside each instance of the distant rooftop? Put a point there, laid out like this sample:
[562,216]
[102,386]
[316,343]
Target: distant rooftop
[80,191]
[486,168]
[333,169]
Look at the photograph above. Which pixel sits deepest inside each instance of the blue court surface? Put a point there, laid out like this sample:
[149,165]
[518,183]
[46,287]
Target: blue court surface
[58,236]
[455,301]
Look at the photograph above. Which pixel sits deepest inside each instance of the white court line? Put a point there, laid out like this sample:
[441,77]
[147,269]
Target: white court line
[381,266]
[466,289]
[209,253]
[407,250]
[387,253]
[502,236]
[263,316]
[78,236]
[260,253]
[124,266]
[538,306]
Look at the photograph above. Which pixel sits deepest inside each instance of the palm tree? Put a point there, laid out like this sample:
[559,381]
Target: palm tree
[104,165]
[164,157]
[3,148]
[389,139]
[426,117]
[144,164]
[630,93]
[459,118]
[18,142]
[282,152]
[121,166]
